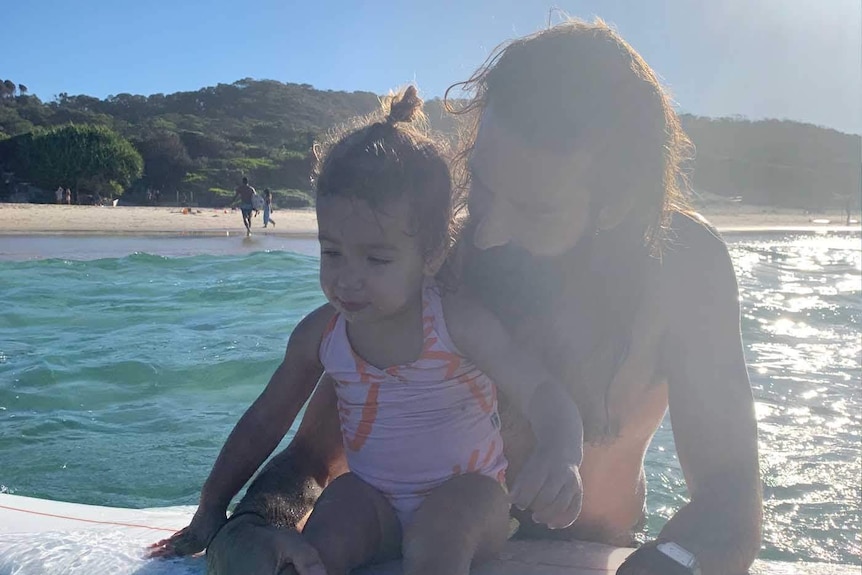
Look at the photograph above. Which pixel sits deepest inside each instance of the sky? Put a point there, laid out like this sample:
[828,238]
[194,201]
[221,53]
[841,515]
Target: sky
[788,59]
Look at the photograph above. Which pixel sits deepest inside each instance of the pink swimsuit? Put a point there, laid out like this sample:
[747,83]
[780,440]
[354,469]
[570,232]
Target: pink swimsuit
[409,428]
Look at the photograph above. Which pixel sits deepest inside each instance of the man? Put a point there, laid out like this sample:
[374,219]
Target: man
[245,194]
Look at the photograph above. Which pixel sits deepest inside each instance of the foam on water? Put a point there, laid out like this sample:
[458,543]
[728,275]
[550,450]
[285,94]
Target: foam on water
[87,552]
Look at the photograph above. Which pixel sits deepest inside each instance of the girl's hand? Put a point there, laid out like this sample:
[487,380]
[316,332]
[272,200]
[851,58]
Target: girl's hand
[550,485]
[192,539]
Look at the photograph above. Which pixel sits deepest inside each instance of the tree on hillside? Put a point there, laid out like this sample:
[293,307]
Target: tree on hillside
[22,89]
[94,158]
[200,145]
[166,160]
[7,89]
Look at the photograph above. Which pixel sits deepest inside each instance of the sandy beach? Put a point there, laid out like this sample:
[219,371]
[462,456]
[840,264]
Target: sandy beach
[143,220]
[27,219]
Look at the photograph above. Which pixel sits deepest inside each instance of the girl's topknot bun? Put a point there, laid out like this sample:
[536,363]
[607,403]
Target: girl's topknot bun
[405,108]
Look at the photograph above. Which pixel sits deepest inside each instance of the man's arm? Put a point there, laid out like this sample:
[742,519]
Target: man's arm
[711,410]
[549,484]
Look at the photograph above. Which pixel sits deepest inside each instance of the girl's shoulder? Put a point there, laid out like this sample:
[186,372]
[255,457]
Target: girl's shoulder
[309,332]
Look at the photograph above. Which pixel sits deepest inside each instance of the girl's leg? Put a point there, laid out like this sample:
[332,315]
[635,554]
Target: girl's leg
[465,519]
[352,525]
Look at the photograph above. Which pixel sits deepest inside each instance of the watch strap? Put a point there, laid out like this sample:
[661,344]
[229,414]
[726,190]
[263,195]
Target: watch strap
[651,558]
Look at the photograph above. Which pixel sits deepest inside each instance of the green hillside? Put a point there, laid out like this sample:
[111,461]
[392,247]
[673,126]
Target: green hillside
[201,143]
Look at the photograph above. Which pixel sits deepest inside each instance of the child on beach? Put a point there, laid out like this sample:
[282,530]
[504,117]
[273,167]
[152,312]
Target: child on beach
[415,362]
[267,208]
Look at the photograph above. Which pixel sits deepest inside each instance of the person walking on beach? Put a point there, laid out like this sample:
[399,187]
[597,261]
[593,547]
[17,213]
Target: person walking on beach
[59,194]
[245,193]
[267,208]
[68,197]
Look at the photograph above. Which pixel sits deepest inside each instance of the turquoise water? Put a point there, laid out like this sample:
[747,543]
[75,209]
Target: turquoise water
[121,376]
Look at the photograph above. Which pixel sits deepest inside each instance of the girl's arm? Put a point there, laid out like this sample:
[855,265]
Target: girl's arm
[549,483]
[269,418]
[257,433]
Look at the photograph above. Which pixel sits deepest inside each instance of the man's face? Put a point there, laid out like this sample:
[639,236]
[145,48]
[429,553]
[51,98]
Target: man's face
[535,199]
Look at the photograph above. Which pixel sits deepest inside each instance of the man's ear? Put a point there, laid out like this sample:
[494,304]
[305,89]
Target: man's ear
[434,261]
[612,215]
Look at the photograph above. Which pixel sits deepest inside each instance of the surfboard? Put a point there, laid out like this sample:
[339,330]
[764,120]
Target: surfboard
[38,536]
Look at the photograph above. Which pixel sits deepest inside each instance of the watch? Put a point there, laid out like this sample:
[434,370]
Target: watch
[665,557]
[680,554]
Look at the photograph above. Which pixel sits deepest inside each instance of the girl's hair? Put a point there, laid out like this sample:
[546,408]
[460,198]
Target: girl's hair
[388,155]
[581,84]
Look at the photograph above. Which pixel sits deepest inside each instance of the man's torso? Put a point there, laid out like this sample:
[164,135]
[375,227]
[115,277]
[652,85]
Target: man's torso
[246,193]
[622,395]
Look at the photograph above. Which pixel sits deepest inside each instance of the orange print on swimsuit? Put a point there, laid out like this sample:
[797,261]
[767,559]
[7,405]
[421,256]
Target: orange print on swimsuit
[486,405]
[471,465]
[492,449]
[369,408]
[453,362]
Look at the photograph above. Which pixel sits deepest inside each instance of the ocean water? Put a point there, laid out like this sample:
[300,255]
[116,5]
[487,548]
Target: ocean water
[125,362]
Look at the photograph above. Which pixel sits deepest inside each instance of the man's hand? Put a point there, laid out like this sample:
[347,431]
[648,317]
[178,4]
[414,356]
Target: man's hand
[192,539]
[550,485]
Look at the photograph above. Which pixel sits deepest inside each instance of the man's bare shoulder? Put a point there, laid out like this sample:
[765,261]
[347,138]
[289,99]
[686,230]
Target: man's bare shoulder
[692,247]
[697,275]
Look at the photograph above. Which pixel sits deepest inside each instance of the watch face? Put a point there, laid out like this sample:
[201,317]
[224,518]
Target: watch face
[678,554]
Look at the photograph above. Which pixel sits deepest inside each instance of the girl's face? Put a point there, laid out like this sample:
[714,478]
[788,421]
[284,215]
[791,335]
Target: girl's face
[371,265]
[536,199]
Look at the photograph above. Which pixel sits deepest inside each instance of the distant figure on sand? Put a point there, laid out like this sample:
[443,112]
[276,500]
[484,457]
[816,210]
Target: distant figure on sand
[68,197]
[245,193]
[267,208]
[59,194]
